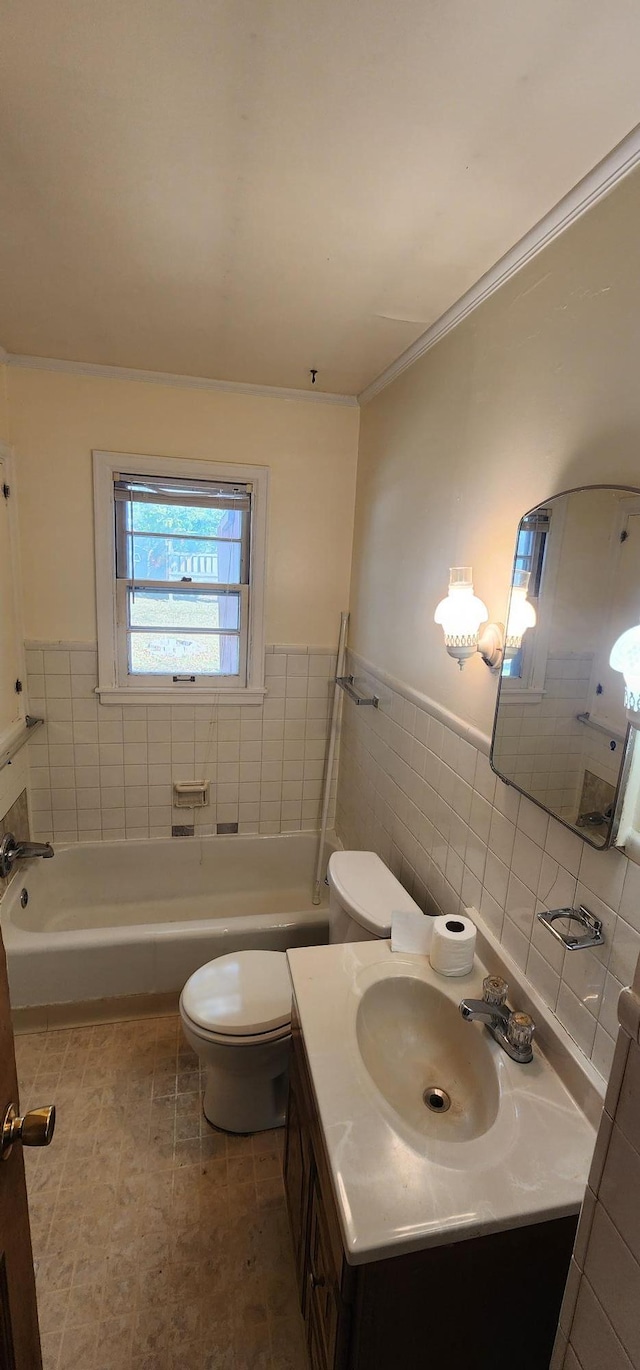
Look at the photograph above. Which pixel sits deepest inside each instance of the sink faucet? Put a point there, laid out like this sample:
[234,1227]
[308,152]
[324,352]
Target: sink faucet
[12,851]
[512,1031]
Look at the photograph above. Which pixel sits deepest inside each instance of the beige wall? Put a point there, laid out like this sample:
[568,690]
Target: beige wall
[536,392]
[311,449]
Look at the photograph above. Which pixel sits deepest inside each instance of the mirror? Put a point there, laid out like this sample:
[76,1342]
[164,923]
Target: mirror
[560,733]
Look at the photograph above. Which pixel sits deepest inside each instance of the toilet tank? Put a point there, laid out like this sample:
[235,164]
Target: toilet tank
[363,894]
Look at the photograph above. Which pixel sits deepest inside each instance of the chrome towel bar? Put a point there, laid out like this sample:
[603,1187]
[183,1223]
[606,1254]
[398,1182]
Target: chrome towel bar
[31,725]
[346,683]
[590,722]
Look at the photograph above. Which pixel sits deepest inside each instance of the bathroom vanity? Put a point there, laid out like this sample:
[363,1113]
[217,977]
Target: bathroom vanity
[411,1250]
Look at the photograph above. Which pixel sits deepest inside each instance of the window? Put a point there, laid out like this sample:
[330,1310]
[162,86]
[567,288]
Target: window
[529,556]
[180,574]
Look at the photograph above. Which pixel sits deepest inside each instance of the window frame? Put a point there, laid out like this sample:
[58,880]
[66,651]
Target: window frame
[529,688]
[115,685]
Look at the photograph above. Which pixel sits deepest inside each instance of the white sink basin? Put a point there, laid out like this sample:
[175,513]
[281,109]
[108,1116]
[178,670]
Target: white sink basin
[438,1075]
[379,1029]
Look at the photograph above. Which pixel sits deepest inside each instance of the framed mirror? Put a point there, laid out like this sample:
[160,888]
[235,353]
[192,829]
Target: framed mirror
[560,733]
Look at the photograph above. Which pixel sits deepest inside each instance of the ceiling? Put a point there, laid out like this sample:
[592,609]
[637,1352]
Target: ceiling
[244,189]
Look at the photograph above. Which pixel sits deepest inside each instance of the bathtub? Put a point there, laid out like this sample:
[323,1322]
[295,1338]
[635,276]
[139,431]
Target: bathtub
[110,919]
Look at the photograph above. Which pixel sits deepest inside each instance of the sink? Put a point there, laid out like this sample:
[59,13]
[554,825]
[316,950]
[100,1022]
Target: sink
[380,1028]
[437,1074]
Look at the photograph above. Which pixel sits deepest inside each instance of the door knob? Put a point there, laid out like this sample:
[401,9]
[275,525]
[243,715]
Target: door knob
[33,1129]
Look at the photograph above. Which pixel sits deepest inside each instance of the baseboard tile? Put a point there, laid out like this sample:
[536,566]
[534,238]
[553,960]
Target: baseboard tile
[53,1017]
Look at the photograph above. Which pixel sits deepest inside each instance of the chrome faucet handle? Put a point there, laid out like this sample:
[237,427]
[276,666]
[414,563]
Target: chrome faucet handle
[520,1030]
[494,990]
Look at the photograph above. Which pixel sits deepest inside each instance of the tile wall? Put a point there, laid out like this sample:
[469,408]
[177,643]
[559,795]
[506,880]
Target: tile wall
[544,747]
[599,1324]
[425,798]
[106,771]
[541,745]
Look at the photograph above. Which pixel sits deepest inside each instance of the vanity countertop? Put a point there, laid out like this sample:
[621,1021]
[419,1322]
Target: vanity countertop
[396,1190]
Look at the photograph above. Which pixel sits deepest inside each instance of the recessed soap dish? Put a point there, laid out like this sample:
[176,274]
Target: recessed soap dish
[190,794]
[592,927]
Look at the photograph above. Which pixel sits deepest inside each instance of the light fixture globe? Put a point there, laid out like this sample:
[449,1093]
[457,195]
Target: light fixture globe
[522,614]
[460,615]
[625,657]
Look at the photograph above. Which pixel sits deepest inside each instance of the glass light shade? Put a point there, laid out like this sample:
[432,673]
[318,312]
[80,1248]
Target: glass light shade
[625,657]
[460,615]
[522,614]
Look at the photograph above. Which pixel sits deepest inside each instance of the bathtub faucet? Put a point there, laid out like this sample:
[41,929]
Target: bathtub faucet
[12,851]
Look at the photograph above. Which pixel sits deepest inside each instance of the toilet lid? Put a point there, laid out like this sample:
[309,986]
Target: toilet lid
[246,992]
[367,890]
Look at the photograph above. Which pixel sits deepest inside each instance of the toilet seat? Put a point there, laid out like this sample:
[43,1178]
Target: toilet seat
[226,1039]
[240,999]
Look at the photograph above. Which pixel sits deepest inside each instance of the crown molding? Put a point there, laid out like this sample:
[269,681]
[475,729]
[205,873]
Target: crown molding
[126,373]
[592,188]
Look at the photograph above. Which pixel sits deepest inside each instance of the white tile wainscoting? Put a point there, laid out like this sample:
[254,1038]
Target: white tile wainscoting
[106,771]
[424,797]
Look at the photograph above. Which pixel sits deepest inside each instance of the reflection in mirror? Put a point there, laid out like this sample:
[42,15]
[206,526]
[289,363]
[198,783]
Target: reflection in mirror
[560,733]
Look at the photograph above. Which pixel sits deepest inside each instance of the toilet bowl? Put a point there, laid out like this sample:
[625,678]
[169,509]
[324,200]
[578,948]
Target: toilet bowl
[236,1010]
[236,1016]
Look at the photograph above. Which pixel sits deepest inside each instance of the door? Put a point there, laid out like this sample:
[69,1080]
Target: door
[19,1337]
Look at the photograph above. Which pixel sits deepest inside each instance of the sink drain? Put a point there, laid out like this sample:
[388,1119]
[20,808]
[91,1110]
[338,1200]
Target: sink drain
[436,1099]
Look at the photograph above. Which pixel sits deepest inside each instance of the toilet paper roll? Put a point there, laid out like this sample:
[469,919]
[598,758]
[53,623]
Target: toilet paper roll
[452,945]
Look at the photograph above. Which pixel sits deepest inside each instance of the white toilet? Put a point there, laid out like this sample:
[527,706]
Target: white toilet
[236,1015]
[363,894]
[236,1010]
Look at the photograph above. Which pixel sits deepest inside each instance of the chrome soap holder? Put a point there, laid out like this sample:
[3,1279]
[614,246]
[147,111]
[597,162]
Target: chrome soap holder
[592,935]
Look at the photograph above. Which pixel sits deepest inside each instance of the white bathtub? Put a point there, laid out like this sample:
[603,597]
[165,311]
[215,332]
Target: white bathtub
[108,919]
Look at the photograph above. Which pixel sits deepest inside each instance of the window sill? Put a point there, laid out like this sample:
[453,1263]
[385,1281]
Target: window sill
[527,695]
[187,694]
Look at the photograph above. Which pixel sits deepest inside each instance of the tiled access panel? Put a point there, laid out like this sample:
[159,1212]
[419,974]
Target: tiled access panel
[106,771]
[16,822]
[426,800]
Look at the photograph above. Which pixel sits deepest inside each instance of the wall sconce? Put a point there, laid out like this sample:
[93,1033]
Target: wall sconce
[522,614]
[460,616]
[625,657]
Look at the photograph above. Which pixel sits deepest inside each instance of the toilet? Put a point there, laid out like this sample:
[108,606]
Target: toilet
[236,1016]
[363,895]
[236,1010]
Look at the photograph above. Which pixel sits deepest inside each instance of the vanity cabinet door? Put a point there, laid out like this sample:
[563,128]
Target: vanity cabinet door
[297,1177]
[315,1345]
[327,1315]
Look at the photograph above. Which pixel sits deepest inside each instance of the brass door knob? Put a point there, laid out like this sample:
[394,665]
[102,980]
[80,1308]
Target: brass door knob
[35,1128]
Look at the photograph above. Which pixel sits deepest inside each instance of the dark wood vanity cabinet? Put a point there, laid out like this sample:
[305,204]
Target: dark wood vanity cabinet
[477,1302]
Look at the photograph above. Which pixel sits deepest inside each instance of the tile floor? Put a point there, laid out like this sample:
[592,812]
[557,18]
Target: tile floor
[158,1242]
